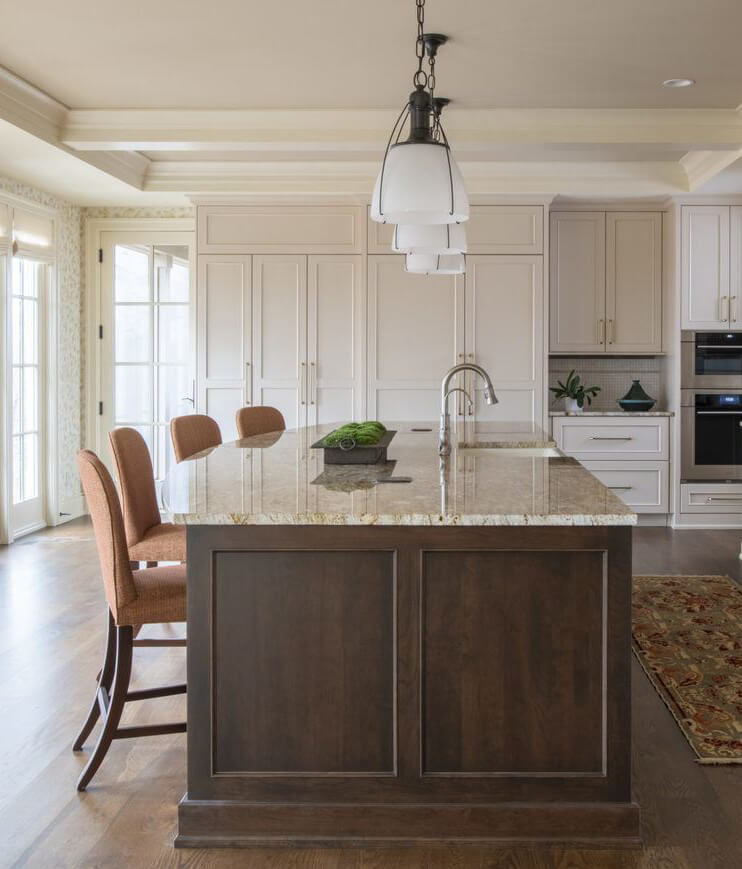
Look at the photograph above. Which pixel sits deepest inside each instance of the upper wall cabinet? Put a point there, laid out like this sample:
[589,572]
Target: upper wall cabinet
[606,282]
[709,301]
[505,229]
[280,229]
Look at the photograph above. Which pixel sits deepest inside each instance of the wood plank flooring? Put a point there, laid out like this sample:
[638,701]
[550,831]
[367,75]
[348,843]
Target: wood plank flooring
[51,642]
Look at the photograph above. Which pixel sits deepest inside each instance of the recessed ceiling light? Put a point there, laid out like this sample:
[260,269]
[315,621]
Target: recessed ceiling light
[678,83]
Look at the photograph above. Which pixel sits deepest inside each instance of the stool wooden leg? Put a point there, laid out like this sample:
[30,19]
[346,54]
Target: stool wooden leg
[112,706]
[104,678]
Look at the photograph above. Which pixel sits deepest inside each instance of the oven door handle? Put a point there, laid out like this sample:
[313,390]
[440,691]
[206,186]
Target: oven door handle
[737,347]
[719,413]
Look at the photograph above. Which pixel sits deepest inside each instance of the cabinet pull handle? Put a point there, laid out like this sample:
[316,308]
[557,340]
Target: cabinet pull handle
[248,384]
[621,488]
[609,331]
[724,308]
[607,438]
[313,386]
[470,390]
[735,499]
[601,332]
[302,382]
[733,308]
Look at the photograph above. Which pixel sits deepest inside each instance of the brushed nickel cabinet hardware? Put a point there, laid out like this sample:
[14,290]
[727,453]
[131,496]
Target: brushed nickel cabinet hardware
[730,499]
[302,382]
[621,488]
[601,332]
[733,308]
[248,385]
[609,331]
[608,438]
[724,309]
[313,383]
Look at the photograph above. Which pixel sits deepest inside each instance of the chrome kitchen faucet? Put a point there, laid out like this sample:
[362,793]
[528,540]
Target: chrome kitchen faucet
[444,439]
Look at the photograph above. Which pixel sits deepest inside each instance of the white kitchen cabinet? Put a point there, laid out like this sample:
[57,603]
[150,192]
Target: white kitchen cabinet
[710,498]
[224,337]
[415,334]
[504,301]
[282,330]
[644,486]
[606,282]
[633,282]
[336,340]
[577,284]
[705,261]
[735,267]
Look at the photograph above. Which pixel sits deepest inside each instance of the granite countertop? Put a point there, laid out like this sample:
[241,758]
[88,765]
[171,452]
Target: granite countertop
[277,479]
[624,413]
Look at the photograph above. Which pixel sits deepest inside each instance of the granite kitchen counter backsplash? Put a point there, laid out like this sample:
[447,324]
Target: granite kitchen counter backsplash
[613,374]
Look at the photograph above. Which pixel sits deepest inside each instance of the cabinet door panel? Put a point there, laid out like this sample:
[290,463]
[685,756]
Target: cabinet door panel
[415,334]
[504,334]
[633,282]
[279,335]
[577,284]
[735,267]
[223,336]
[335,339]
[705,266]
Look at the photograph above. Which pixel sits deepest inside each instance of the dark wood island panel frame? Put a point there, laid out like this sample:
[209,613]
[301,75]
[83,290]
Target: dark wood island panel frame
[359,685]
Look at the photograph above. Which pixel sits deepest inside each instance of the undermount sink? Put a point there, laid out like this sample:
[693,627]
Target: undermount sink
[523,452]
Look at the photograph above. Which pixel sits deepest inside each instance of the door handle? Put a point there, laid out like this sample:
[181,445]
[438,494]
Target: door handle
[733,308]
[470,390]
[248,384]
[601,331]
[724,306]
[313,383]
[302,382]
[609,331]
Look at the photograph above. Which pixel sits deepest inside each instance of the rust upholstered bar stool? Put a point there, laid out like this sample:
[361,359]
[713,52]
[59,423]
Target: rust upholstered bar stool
[148,538]
[140,597]
[192,433]
[258,420]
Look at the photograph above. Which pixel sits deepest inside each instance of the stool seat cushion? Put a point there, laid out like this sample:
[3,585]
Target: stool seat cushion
[163,542]
[161,597]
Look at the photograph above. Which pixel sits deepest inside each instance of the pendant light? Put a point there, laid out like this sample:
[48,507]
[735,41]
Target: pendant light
[419,182]
[435,264]
[443,238]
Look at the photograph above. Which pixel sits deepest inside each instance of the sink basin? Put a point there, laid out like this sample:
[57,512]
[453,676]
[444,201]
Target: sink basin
[523,452]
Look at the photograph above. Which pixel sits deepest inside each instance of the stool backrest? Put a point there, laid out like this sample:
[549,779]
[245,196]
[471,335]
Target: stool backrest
[258,420]
[108,525]
[136,482]
[192,433]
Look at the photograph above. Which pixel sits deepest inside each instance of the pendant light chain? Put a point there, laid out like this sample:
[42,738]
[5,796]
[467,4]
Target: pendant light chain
[420,78]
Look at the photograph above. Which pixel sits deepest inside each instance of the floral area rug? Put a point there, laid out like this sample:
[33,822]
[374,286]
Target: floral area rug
[687,634]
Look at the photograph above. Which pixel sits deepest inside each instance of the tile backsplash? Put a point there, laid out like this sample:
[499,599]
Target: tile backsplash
[613,374]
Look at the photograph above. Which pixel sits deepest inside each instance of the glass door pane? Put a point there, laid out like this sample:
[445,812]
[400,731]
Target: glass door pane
[151,343]
[26,299]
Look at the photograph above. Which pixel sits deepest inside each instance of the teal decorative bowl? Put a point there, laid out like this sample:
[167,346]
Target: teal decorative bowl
[636,399]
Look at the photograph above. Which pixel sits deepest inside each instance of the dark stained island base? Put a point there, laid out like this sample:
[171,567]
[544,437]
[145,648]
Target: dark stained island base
[441,661]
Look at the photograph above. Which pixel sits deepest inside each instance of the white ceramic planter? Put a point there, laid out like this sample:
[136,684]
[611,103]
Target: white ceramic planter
[571,406]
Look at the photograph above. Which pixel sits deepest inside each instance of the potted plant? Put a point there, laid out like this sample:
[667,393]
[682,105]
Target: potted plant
[574,393]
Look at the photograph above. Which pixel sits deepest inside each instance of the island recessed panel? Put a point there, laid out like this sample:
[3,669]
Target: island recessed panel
[303,663]
[513,662]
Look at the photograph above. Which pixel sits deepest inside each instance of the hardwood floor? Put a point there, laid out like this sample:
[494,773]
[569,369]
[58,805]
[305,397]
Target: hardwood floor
[51,642]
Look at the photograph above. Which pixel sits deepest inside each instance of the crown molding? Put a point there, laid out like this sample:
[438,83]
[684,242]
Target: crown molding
[26,106]
[701,166]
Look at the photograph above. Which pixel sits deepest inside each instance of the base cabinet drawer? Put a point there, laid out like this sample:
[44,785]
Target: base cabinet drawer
[605,439]
[644,486]
[711,497]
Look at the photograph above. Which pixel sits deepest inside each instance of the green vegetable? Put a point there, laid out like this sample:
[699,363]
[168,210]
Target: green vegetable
[360,433]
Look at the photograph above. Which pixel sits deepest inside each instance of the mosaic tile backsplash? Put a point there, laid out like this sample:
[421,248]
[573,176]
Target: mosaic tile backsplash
[613,374]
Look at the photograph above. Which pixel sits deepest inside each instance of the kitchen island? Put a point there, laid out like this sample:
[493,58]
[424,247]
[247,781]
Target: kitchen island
[446,659]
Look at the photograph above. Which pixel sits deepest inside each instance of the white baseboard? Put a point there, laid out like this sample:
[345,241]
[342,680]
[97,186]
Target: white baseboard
[70,508]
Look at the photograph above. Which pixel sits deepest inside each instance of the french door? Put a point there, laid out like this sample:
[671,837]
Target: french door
[147,338]
[27,301]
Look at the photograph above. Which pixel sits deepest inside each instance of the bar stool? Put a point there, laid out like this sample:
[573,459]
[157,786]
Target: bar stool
[150,596]
[192,433]
[148,538]
[258,420]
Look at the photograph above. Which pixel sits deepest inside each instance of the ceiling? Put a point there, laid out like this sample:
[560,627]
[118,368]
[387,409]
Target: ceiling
[160,99]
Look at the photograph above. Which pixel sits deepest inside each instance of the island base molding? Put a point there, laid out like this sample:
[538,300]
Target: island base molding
[246,825]
[370,685]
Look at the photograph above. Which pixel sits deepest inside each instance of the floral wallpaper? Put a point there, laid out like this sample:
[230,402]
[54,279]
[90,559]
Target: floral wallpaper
[69,332]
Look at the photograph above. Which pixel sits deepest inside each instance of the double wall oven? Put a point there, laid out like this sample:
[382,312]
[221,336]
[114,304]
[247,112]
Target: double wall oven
[711,399]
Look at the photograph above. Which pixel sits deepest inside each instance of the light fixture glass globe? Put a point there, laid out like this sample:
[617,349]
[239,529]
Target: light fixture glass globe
[444,238]
[415,186]
[433,264]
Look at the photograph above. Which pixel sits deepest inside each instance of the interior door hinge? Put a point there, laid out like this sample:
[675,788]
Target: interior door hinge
[100,254]
[100,408]
[100,331]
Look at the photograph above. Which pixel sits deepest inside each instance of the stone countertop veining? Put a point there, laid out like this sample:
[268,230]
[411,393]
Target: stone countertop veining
[278,479]
[627,414]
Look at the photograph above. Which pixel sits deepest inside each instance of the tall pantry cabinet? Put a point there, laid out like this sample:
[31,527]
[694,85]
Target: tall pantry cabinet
[306,309]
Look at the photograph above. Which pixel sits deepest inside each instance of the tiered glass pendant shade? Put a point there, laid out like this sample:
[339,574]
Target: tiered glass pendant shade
[443,238]
[434,264]
[419,183]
